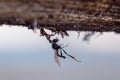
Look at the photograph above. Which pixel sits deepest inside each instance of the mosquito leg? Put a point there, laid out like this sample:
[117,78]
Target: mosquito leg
[62,54]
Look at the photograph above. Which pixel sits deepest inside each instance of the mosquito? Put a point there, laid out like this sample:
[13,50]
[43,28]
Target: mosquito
[58,49]
[58,52]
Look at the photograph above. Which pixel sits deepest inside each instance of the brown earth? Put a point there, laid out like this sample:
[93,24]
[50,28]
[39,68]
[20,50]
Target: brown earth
[87,15]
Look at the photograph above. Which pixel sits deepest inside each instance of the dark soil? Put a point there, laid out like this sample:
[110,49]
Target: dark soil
[84,15]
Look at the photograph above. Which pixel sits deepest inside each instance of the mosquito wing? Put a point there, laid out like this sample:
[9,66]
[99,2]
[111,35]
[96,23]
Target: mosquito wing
[56,57]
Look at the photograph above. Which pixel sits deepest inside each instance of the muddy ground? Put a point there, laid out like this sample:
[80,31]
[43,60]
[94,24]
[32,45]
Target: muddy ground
[84,15]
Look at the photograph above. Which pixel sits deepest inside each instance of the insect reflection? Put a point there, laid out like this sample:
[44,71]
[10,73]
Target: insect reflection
[58,49]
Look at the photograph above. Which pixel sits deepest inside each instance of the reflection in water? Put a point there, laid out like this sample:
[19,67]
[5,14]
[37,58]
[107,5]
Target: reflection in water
[58,49]
[62,32]
[89,35]
[25,55]
[78,34]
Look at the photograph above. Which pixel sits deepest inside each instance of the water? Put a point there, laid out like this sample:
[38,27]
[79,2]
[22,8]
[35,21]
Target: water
[25,55]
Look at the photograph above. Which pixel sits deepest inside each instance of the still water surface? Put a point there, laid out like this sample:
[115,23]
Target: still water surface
[24,55]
